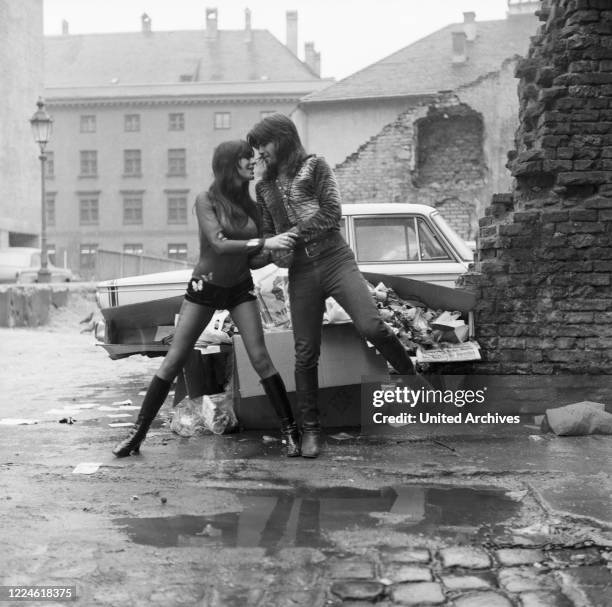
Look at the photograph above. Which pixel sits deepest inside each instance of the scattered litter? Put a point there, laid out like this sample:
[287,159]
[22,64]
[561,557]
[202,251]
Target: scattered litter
[116,415]
[121,424]
[16,421]
[210,531]
[142,393]
[122,402]
[134,498]
[269,439]
[341,436]
[86,468]
[67,420]
[578,419]
[535,437]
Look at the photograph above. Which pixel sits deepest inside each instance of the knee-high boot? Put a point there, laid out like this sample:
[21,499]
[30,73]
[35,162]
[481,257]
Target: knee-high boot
[307,390]
[153,400]
[277,395]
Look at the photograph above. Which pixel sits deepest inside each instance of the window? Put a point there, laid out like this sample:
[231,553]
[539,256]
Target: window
[87,257]
[88,123]
[223,120]
[132,208]
[133,249]
[385,239]
[177,208]
[177,162]
[266,113]
[131,122]
[50,165]
[89,163]
[132,164]
[50,208]
[88,209]
[177,251]
[430,246]
[176,122]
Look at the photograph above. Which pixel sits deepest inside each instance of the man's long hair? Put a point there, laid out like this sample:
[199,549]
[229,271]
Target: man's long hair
[279,129]
[228,192]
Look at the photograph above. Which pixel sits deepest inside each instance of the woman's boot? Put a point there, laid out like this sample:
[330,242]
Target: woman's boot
[153,400]
[277,394]
[307,390]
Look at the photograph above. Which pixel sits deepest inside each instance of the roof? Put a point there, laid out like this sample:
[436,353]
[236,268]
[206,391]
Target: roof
[168,57]
[425,67]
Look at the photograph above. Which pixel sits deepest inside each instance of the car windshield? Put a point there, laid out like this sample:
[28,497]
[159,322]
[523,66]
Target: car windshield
[458,243]
[16,258]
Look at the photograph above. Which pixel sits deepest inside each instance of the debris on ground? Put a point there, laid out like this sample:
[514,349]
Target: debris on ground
[578,419]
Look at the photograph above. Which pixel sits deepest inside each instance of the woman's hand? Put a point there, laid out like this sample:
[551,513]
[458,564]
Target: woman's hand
[280,242]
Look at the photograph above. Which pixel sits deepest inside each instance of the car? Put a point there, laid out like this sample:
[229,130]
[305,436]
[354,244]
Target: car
[21,264]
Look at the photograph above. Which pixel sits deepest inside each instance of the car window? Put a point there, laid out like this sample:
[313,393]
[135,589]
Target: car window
[385,239]
[430,246]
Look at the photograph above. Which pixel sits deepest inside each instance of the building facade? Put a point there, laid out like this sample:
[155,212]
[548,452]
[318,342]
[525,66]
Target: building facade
[21,82]
[137,117]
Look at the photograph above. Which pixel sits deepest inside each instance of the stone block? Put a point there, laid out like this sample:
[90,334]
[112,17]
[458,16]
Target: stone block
[544,599]
[422,593]
[467,557]
[483,599]
[523,580]
[399,573]
[509,557]
[355,569]
[465,582]
[407,555]
[358,589]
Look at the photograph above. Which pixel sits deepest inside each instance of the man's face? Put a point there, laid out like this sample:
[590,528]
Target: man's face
[268,154]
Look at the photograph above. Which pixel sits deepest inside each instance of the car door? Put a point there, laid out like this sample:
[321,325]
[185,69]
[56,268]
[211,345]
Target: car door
[404,245]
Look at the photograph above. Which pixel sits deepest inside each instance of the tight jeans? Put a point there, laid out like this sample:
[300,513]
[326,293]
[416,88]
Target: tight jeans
[329,269]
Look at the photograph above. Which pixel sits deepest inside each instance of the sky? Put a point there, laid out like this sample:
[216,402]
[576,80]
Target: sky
[349,34]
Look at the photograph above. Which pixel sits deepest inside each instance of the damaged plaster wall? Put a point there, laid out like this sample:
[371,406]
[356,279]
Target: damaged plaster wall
[545,250]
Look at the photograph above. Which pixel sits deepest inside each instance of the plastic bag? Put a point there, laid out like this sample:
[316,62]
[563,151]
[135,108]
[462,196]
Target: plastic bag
[204,414]
[334,312]
[272,290]
[219,330]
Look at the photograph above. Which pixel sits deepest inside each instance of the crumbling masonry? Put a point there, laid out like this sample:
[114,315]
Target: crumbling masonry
[545,251]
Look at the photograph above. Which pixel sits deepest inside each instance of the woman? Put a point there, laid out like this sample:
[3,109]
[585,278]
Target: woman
[299,194]
[229,225]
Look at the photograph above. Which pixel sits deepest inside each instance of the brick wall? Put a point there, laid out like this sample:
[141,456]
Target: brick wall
[545,250]
[432,154]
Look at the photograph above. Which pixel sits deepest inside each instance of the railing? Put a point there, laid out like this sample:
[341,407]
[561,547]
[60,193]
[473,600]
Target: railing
[116,264]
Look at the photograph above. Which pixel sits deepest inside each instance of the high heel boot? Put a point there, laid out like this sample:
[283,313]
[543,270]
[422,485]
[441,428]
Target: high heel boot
[153,400]
[307,390]
[277,395]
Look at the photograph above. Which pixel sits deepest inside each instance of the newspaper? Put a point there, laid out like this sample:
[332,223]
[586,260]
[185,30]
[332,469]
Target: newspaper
[469,350]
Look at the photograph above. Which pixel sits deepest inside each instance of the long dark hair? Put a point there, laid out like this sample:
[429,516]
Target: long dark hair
[229,194]
[279,129]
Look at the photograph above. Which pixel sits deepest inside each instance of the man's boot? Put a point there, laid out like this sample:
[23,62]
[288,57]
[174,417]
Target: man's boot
[307,390]
[277,395]
[153,400]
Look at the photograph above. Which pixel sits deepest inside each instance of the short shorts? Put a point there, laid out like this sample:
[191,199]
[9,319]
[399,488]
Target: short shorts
[204,293]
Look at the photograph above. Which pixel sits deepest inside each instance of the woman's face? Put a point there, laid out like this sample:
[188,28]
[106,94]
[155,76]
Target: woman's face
[245,168]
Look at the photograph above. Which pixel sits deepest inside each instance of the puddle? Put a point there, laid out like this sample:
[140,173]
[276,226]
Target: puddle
[275,519]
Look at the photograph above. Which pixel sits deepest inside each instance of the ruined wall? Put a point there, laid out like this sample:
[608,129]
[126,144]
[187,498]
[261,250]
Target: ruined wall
[432,154]
[546,249]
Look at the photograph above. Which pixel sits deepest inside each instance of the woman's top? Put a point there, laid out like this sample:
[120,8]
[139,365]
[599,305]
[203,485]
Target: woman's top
[308,204]
[224,254]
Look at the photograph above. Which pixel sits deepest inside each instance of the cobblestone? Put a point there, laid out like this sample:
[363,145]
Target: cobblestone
[356,569]
[544,599]
[465,582]
[357,589]
[465,556]
[510,557]
[416,594]
[523,580]
[483,599]
[403,555]
[406,573]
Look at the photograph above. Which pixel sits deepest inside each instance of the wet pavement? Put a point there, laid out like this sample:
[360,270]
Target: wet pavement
[440,515]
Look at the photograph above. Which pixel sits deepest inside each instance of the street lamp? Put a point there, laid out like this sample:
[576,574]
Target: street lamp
[42,125]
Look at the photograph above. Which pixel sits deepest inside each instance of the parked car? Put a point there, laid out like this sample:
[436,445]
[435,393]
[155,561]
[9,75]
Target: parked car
[21,264]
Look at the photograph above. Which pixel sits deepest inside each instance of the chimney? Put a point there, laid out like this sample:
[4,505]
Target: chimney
[469,26]
[248,34]
[65,28]
[523,7]
[459,51]
[145,22]
[292,31]
[211,23]
[312,58]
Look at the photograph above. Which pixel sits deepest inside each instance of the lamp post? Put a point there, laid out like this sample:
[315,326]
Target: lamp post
[42,125]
